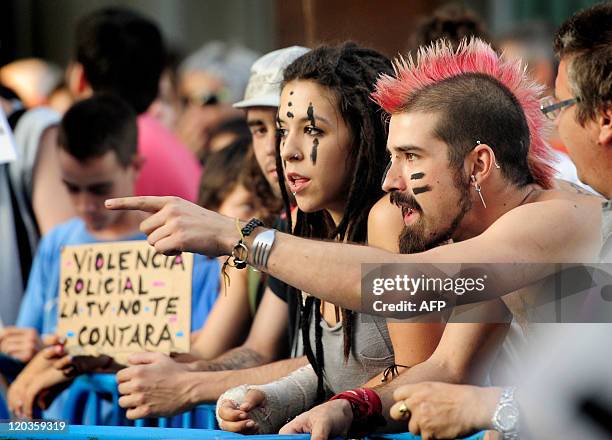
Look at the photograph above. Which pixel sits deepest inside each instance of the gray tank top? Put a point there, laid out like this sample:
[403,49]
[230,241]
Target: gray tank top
[371,352]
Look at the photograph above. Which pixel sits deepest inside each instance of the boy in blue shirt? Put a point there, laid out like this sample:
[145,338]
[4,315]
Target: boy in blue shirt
[98,159]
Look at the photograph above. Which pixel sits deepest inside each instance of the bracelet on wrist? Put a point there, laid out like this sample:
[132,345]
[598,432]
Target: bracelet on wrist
[367,410]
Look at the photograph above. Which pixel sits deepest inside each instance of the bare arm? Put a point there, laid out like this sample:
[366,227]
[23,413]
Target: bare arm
[562,230]
[413,342]
[154,384]
[208,386]
[265,341]
[464,355]
[50,199]
[229,320]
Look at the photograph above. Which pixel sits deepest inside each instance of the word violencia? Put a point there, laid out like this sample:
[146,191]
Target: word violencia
[91,262]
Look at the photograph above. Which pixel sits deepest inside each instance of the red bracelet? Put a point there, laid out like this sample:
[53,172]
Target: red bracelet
[367,410]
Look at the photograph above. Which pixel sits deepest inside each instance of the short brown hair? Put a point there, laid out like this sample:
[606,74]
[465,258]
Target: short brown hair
[586,40]
[233,166]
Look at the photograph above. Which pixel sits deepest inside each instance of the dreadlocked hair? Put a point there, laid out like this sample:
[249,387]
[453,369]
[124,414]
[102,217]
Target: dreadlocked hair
[349,72]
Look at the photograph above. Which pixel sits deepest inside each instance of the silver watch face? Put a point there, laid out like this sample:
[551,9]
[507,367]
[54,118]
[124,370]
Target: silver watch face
[507,417]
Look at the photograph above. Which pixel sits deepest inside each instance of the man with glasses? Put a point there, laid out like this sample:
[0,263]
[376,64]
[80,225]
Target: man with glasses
[582,110]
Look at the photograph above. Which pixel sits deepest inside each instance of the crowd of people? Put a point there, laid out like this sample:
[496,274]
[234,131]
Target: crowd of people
[284,174]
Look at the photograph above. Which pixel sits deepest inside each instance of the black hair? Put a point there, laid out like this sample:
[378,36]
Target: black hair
[475,107]
[349,72]
[97,125]
[223,168]
[236,165]
[123,53]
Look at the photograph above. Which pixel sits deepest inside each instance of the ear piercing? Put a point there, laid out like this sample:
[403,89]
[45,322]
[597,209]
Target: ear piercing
[494,159]
[478,190]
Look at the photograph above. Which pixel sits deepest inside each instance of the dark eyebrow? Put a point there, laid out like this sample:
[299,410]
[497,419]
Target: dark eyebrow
[409,149]
[254,122]
[90,186]
[305,119]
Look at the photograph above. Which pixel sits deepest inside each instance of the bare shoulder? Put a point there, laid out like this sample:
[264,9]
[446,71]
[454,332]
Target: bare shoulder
[385,224]
[568,188]
[556,206]
[384,210]
[554,219]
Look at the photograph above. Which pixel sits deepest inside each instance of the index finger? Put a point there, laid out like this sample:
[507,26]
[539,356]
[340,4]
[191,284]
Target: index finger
[140,203]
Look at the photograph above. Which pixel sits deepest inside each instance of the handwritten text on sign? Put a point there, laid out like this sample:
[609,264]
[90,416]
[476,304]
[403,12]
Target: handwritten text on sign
[124,297]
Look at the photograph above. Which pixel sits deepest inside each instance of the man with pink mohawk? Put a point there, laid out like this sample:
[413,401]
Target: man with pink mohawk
[468,163]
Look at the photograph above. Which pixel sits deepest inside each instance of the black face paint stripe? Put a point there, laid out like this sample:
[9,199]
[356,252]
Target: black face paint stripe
[417,176]
[384,177]
[310,114]
[421,190]
[290,115]
[313,152]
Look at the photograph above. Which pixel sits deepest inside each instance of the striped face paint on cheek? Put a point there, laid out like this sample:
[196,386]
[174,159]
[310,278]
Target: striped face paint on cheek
[421,190]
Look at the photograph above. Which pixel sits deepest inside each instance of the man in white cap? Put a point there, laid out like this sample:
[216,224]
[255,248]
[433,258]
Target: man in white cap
[159,385]
[261,100]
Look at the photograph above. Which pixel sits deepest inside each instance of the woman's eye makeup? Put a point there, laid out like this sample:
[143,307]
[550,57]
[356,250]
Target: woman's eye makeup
[313,128]
[314,131]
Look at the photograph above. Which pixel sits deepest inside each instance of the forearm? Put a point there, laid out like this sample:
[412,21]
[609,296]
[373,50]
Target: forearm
[314,267]
[283,399]
[236,359]
[208,386]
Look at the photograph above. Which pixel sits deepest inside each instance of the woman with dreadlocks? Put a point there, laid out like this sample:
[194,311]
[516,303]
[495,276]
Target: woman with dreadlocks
[332,154]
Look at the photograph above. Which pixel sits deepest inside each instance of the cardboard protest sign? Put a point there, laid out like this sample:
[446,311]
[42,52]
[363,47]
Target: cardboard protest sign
[124,297]
[8,152]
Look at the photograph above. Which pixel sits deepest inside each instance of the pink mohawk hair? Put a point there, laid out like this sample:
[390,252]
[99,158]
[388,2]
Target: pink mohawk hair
[439,61]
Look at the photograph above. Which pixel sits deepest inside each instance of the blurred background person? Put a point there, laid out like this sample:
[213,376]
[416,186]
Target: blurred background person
[33,79]
[120,51]
[209,81]
[452,22]
[166,108]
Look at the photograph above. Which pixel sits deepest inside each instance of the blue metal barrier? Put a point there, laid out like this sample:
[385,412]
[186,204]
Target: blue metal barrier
[132,433]
[88,393]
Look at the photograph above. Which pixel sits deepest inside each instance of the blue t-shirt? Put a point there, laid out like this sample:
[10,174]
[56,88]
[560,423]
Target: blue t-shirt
[39,306]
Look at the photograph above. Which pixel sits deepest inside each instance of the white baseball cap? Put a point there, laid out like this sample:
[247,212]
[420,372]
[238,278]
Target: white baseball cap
[263,89]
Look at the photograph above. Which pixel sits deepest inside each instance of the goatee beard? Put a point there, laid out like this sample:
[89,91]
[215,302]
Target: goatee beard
[414,239]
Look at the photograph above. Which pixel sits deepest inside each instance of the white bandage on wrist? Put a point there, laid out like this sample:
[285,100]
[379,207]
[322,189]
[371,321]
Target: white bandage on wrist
[285,399]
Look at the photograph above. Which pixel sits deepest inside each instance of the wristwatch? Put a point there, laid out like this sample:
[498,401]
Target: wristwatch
[506,417]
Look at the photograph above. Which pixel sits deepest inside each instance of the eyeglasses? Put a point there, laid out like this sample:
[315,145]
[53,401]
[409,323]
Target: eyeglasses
[552,108]
[206,98]
[200,100]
